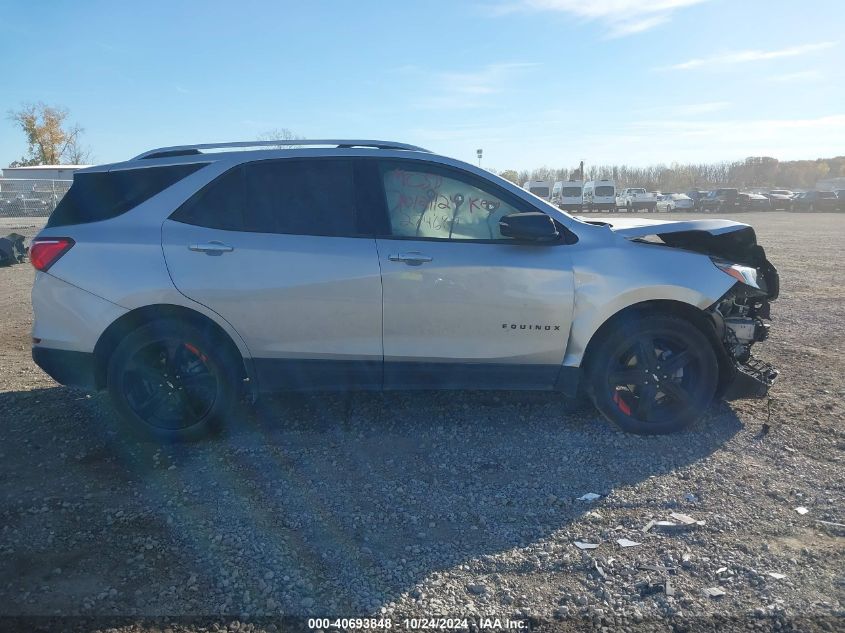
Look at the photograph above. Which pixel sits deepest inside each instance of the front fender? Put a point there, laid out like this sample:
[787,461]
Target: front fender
[608,280]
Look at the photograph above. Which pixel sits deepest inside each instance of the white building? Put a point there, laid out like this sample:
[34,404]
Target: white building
[42,172]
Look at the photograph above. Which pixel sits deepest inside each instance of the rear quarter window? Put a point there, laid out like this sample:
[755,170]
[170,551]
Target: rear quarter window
[100,196]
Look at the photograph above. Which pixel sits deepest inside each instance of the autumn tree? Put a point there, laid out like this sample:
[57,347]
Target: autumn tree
[50,138]
[510,174]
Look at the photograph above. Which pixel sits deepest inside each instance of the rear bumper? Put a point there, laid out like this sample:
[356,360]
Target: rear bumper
[73,369]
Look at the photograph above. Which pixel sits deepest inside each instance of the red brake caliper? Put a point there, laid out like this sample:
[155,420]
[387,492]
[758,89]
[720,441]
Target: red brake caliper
[623,406]
[196,352]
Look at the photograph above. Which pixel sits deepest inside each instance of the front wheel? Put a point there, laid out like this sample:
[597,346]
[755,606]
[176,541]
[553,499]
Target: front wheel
[653,374]
[172,381]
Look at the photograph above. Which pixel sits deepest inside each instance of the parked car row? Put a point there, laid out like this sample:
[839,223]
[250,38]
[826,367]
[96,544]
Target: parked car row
[602,195]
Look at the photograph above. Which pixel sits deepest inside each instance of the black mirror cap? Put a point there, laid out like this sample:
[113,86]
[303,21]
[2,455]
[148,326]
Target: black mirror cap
[533,226]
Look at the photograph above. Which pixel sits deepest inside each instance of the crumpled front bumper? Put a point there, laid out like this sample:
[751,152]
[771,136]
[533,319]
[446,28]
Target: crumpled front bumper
[752,379]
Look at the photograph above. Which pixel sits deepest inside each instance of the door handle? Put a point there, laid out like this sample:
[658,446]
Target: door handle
[412,258]
[211,248]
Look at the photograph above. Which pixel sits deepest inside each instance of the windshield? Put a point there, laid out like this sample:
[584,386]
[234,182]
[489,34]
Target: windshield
[543,192]
[571,192]
[604,191]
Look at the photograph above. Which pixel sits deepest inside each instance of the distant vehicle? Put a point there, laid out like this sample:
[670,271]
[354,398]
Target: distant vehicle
[816,201]
[696,196]
[600,195]
[22,203]
[540,188]
[753,202]
[719,200]
[674,202]
[637,199]
[568,195]
[781,199]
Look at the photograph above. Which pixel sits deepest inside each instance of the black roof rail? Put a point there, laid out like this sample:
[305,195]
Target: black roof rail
[186,150]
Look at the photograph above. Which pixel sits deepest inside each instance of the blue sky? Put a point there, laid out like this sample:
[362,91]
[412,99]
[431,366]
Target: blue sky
[532,82]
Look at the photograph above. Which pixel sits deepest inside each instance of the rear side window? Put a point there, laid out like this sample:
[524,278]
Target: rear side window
[300,197]
[103,195]
[218,205]
[309,197]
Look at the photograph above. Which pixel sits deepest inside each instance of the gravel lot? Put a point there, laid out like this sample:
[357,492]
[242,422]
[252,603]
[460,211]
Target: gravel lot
[427,504]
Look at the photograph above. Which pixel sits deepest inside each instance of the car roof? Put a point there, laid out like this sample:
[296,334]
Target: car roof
[245,151]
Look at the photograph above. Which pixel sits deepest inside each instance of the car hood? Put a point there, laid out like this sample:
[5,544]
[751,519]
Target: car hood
[724,239]
[641,227]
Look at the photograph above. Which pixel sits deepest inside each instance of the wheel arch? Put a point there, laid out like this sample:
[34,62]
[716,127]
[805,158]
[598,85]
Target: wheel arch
[699,318]
[126,323]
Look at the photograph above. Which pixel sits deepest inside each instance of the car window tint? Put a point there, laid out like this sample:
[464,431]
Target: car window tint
[304,197]
[103,195]
[427,203]
[218,205]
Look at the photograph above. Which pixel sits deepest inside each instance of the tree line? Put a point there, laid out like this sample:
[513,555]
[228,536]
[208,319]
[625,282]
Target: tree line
[51,140]
[751,173]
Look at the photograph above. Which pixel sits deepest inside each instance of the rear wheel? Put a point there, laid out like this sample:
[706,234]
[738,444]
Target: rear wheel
[653,374]
[172,381]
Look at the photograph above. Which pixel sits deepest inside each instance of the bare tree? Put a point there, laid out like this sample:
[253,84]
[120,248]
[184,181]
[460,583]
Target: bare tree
[280,134]
[50,139]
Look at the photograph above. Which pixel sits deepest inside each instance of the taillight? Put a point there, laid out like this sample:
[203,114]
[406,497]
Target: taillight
[46,251]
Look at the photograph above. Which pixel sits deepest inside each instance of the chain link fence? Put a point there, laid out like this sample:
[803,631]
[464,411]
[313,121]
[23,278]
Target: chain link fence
[25,204]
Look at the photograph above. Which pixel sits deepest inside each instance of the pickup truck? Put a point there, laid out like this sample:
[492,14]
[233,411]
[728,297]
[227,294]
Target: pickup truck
[636,199]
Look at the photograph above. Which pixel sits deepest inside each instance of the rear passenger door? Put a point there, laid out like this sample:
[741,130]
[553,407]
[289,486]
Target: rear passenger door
[276,248]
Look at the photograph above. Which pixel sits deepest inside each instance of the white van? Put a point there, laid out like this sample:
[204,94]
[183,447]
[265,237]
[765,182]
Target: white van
[568,195]
[540,188]
[600,195]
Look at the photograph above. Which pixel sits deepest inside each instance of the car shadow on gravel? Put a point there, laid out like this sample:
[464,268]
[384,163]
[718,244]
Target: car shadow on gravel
[325,503]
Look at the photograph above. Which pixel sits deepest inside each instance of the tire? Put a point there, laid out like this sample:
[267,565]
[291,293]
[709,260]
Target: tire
[659,343]
[172,381]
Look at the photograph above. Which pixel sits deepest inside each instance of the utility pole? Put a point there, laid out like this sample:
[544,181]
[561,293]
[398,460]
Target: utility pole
[479,152]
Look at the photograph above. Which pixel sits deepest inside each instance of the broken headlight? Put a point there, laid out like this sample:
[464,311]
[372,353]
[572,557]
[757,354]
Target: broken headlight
[743,274]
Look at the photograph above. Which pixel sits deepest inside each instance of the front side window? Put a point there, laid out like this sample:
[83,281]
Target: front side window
[428,203]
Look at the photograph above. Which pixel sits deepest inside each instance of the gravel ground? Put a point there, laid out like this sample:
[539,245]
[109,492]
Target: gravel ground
[422,504]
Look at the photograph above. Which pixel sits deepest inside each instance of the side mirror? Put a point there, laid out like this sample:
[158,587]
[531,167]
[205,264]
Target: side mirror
[533,226]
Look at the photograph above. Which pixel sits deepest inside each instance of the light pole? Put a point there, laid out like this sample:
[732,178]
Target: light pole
[479,152]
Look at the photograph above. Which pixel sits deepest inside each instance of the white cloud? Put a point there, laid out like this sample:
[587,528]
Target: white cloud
[741,57]
[620,17]
[468,89]
[803,75]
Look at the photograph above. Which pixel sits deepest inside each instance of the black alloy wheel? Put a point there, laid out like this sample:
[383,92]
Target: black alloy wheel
[173,381]
[654,375]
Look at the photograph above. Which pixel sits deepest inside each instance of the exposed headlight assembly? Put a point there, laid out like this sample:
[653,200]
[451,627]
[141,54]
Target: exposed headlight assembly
[743,274]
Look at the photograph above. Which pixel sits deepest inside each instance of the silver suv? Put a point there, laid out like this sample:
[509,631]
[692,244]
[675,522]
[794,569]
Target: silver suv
[189,277]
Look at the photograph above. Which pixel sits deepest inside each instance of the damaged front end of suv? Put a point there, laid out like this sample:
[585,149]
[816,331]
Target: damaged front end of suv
[740,317]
